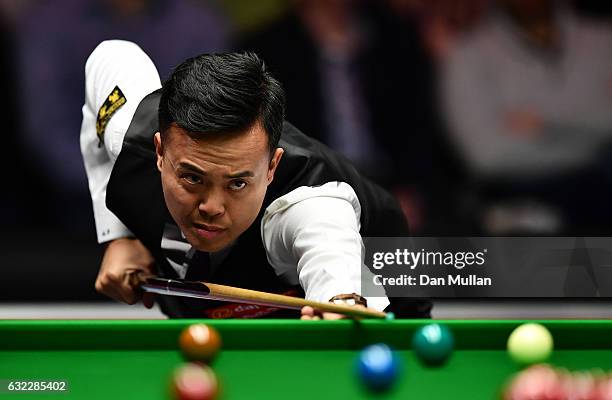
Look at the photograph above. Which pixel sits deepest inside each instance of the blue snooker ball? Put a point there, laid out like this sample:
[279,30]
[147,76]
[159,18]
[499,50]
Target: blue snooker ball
[433,344]
[378,367]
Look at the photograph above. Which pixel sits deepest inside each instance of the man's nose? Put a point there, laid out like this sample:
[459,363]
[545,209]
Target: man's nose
[212,204]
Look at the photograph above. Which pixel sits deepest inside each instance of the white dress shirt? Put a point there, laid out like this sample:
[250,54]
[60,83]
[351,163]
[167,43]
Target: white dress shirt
[112,63]
[311,235]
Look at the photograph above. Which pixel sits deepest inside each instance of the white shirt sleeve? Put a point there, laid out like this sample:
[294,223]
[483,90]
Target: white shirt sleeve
[311,236]
[113,63]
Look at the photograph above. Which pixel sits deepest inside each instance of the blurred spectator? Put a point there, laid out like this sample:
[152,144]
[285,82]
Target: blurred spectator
[360,81]
[55,39]
[440,22]
[248,15]
[529,100]
[12,10]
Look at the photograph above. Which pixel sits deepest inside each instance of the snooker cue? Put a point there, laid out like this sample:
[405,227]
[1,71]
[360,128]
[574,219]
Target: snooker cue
[212,291]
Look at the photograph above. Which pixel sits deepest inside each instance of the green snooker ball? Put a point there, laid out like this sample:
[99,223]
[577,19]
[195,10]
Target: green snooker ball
[530,344]
[433,344]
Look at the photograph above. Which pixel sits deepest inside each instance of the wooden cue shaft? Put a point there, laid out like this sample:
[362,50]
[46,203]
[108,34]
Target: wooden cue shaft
[229,293]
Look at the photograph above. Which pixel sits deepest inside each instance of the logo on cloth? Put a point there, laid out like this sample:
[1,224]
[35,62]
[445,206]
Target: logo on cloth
[113,102]
[244,311]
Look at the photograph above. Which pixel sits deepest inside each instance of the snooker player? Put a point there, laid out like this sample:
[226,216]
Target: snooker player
[202,179]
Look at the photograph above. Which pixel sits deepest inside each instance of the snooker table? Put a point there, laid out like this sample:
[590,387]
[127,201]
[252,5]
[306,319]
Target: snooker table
[274,359]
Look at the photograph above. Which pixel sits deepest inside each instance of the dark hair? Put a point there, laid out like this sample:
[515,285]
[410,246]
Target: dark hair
[223,93]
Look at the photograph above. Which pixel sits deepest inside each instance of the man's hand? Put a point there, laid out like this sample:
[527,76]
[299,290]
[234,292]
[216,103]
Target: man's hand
[310,313]
[124,260]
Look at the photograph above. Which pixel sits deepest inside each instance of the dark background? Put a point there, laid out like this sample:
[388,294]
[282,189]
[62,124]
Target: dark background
[49,249]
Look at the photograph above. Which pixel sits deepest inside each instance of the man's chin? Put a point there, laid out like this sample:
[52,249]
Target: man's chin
[207,245]
[210,248]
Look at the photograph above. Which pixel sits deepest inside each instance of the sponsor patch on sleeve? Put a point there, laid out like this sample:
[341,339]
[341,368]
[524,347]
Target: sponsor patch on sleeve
[113,102]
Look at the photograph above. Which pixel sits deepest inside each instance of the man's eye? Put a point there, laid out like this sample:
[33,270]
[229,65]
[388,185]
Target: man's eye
[237,185]
[191,178]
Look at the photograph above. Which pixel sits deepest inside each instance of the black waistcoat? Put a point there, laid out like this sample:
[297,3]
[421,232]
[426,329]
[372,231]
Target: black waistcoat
[135,195]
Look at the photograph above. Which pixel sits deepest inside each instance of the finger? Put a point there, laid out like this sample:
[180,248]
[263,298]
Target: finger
[128,294]
[130,285]
[137,277]
[148,299]
[316,318]
[308,311]
[106,287]
[116,288]
[115,293]
[333,316]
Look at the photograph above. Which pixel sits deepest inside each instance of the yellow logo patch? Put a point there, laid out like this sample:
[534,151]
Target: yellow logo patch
[113,102]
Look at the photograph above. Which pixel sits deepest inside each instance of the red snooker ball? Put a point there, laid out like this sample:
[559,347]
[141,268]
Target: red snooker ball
[194,382]
[200,342]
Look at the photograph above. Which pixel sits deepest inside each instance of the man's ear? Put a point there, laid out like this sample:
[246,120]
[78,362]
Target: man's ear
[158,150]
[276,157]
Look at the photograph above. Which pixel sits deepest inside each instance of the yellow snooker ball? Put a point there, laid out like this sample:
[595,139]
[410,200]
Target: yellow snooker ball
[530,343]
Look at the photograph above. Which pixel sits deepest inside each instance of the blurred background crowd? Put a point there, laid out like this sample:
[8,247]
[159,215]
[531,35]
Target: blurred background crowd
[483,117]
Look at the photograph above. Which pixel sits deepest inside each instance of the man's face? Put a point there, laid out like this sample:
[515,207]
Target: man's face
[214,186]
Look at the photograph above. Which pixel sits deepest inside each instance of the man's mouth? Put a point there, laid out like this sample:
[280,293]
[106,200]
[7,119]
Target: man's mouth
[208,231]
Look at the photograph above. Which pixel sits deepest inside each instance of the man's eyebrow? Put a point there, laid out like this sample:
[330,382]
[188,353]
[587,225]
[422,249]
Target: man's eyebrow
[240,174]
[191,167]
